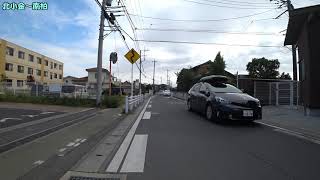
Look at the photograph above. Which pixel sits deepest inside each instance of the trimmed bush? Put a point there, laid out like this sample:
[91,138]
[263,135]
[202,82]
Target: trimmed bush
[112,101]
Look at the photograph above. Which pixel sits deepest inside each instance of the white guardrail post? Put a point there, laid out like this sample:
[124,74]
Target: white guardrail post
[127,105]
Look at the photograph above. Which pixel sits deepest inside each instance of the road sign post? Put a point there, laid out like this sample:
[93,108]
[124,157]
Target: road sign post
[132,56]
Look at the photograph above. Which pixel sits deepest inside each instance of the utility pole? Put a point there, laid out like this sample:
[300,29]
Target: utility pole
[154,70]
[140,74]
[167,79]
[294,48]
[144,58]
[100,49]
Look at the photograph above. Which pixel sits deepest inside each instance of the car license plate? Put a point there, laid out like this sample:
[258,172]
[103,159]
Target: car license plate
[248,113]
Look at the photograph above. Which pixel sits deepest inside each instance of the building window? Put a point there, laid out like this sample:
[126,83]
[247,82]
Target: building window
[30,71]
[51,75]
[55,75]
[9,51]
[60,76]
[20,83]
[45,73]
[31,57]
[9,82]
[39,60]
[51,65]
[9,67]
[21,54]
[95,75]
[46,62]
[55,65]
[20,69]
[38,72]
[60,67]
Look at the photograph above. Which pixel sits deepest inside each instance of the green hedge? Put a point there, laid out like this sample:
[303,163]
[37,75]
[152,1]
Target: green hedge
[47,100]
[112,101]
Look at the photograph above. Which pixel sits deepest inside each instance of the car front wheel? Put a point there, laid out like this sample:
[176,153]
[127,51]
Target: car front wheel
[209,112]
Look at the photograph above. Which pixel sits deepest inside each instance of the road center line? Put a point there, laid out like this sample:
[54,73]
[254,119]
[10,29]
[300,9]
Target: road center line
[147,115]
[136,156]
[117,159]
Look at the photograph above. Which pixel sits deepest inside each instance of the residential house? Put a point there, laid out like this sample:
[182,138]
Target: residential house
[303,31]
[92,79]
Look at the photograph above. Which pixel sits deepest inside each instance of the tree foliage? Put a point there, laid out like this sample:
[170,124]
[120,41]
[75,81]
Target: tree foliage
[218,66]
[263,68]
[285,76]
[185,79]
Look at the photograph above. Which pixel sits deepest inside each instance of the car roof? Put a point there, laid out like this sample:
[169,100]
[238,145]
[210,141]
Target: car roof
[214,78]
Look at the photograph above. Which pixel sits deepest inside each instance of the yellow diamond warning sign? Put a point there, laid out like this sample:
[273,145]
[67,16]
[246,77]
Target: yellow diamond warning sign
[132,56]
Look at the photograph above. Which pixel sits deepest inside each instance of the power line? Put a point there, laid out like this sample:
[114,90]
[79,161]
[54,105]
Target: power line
[243,2]
[210,31]
[203,20]
[206,43]
[222,6]
[238,4]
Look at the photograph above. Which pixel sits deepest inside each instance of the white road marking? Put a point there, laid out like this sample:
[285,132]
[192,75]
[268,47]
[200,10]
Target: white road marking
[147,115]
[117,159]
[76,145]
[135,158]
[289,132]
[149,106]
[38,162]
[30,116]
[62,149]
[83,140]
[71,144]
[77,140]
[47,112]
[6,119]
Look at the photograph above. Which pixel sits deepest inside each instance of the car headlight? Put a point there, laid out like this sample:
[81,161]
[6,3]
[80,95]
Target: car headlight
[258,103]
[221,100]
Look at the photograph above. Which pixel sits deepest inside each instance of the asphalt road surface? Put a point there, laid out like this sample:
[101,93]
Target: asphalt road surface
[183,145]
[10,116]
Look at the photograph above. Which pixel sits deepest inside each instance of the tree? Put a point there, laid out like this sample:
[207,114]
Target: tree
[285,76]
[218,65]
[185,79]
[263,68]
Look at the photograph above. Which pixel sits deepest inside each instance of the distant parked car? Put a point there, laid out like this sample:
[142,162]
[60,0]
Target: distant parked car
[74,91]
[218,100]
[166,93]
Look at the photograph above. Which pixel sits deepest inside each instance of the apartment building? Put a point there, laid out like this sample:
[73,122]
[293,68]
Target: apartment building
[19,65]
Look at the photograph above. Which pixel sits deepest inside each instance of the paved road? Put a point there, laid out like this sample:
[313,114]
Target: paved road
[11,116]
[183,145]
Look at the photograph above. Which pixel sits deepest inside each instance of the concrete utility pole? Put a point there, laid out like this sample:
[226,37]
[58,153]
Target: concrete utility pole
[294,48]
[144,58]
[99,61]
[154,70]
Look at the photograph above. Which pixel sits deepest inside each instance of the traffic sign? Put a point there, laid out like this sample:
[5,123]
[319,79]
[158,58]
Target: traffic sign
[132,56]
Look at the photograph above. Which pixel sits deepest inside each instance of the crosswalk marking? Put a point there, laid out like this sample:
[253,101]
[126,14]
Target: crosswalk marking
[147,115]
[135,158]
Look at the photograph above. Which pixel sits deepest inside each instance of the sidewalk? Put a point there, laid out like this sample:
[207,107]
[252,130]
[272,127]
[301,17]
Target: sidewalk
[292,119]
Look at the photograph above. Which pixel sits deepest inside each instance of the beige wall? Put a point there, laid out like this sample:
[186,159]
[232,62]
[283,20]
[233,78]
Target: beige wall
[15,75]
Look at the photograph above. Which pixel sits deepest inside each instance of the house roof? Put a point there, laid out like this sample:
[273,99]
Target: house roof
[81,79]
[95,70]
[72,77]
[297,18]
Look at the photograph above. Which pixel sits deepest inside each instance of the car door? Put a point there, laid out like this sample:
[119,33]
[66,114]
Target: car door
[202,97]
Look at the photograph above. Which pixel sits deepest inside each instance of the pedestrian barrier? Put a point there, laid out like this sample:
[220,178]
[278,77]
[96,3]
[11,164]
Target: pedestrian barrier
[132,102]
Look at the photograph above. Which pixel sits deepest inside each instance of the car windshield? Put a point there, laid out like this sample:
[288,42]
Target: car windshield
[218,87]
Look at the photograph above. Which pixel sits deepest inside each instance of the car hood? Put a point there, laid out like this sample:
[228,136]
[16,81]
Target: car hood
[236,97]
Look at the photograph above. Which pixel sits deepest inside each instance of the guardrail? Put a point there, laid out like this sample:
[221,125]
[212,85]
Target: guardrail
[132,102]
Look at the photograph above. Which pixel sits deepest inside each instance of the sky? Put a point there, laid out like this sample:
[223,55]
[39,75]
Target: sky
[68,32]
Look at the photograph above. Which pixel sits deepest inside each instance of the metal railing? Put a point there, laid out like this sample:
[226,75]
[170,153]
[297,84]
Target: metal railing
[132,102]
